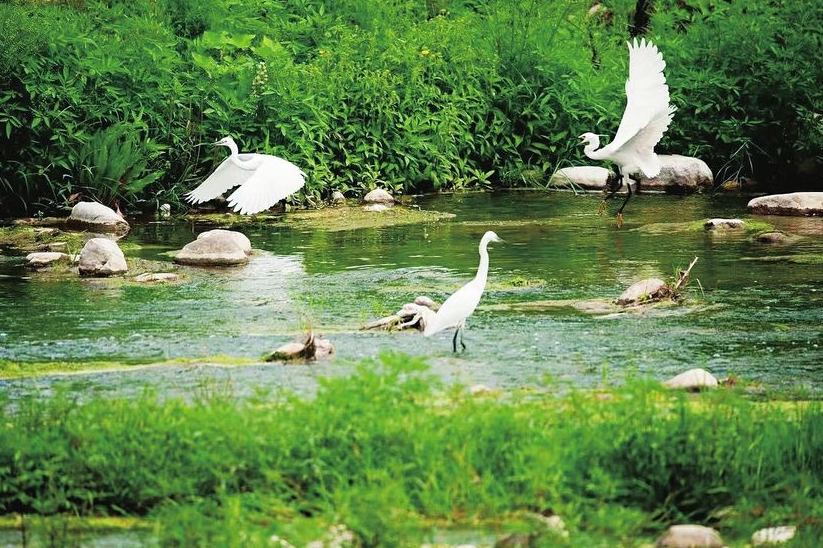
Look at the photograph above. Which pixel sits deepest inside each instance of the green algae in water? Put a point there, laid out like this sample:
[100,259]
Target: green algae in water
[800,258]
[328,219]
[749,226]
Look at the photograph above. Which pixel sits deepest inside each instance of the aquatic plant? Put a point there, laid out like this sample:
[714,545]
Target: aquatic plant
[388,450]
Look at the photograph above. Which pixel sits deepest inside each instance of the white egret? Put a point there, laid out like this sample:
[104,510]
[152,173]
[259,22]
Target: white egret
[264,180]
[647,116]
[461,304]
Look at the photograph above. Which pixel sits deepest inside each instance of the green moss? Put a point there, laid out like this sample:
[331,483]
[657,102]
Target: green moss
[333,219]
[26,239]
[75,523]
[329,219]
[802,258]
[750,226]
[10,369]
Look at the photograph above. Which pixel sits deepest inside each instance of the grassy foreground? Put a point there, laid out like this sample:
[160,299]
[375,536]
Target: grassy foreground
[389,452]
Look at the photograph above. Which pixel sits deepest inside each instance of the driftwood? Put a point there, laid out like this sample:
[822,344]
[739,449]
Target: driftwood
[683,275]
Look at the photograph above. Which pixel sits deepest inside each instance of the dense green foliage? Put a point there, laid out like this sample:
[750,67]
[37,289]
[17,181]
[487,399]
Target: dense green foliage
[407,94]
[387,448]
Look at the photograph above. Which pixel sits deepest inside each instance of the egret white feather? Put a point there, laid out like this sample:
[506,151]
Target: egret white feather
[264,180]
[646,118]
[464,301]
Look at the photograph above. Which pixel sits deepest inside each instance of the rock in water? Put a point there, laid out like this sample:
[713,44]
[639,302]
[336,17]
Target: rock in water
[713,224]
[679,174]
[775,237]
[693,379]
[239,238]
[338,198]
[218,249]
[378,196]
[102,257]
[376,208]
[157,277]
[650,290]
[586,177]
[774,535]
[45,259]
[690,536]
[795,203]
[96,217]
[312,349]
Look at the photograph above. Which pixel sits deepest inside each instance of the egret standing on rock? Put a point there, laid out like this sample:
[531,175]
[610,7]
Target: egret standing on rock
[461,304]
[646,118]
[264,180]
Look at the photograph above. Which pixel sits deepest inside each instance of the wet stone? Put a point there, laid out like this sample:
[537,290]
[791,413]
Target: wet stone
[772,536]
[714,224]
[679,174]
[45,259]
[693,380]
[585,177]
[378,196]
[794,203]
[649,290]
[338,198]
[155,277]
[218,249]
[775,237]
[690,536]
[238,238]
[96,217]
[102,257]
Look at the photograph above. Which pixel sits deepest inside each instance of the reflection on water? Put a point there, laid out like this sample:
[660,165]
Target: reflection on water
[759,320]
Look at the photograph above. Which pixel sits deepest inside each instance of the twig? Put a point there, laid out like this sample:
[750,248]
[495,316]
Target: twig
[684,274]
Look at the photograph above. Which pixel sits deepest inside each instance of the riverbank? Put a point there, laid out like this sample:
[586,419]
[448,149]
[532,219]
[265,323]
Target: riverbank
[389,452]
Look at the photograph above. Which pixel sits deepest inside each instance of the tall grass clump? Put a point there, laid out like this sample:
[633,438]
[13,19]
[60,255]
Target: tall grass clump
[388,449]
[412,96]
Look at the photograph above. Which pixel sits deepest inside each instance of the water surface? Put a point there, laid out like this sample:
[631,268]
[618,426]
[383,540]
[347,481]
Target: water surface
[760,320]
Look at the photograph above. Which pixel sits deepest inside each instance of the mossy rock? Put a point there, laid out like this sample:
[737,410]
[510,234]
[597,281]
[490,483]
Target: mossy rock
[23,239]
[800,258]
[353,218]
[750,226]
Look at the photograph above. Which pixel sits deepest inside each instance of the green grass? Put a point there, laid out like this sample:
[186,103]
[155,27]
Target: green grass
[11,369]
[389,452]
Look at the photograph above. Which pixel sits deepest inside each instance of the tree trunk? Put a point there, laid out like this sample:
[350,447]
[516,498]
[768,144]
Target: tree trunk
[642,15]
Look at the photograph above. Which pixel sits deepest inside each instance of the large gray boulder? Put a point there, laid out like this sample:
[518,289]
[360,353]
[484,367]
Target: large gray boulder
[239,238]
[679,174]
[649,290]
[378,196]
[96,217]
[690,536]
[102,257]
[218,249]
[44,259]
[585,177]
[795,203]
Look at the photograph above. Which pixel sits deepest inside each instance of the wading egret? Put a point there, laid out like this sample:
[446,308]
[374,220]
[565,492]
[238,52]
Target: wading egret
[461,304]
[264,180]
[647,116]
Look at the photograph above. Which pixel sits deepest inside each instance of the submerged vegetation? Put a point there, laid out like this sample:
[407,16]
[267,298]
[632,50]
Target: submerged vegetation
[388,452]
[111,100]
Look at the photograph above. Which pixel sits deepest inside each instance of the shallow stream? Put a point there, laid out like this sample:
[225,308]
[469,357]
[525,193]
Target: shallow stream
[753,310]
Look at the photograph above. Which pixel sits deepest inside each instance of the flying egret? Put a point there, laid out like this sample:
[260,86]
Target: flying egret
[264,180]
[461,304]
[647,116]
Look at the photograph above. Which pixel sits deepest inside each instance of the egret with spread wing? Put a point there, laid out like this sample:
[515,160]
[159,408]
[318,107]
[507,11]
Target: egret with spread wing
[264,180]
[461,304]
[647,116]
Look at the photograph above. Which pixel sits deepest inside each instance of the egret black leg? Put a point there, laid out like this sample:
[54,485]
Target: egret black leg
[626,201]
[612,190]
[461,338]
[454,340]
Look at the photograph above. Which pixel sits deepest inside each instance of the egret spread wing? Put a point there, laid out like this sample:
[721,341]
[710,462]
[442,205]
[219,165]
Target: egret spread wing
[227,175]
[644,141]
[273,180]
[647,96]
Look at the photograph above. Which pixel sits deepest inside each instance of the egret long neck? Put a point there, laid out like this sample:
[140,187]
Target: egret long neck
[483,268]
[591,150]
[233,148]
